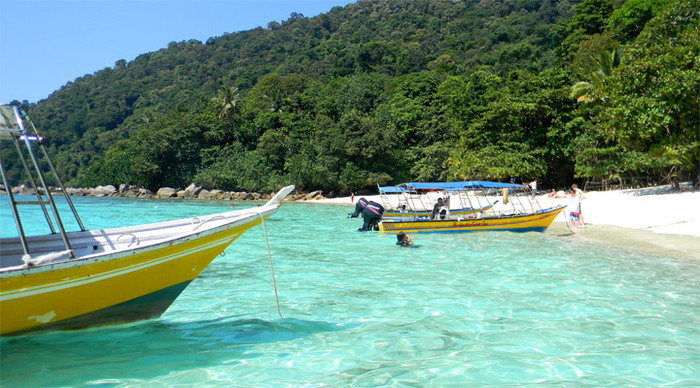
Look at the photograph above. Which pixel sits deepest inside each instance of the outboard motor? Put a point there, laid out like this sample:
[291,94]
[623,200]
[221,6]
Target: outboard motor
[359,207]
[371,214]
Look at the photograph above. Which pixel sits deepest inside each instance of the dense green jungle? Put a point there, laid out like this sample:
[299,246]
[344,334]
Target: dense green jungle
[389,91]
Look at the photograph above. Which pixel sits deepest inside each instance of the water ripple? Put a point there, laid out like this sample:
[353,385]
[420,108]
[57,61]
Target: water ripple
[493,309]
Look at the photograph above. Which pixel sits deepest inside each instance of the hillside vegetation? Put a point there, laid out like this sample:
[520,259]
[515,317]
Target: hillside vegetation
[388,91]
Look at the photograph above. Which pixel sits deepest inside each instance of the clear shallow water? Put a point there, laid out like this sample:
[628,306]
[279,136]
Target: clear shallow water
[472,309]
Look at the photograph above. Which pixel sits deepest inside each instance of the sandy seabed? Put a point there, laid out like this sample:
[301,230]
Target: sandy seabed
[656,220]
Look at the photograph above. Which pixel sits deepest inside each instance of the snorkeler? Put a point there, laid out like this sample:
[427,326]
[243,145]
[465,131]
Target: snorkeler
[403,240]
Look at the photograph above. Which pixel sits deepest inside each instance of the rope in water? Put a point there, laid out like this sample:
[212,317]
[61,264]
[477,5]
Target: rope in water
[272,270]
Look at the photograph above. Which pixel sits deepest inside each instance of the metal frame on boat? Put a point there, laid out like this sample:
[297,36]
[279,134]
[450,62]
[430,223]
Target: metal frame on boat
[402,202]
[469,206]
[77,279]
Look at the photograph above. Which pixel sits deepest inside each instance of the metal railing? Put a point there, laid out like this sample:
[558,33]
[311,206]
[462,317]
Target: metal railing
[12,128]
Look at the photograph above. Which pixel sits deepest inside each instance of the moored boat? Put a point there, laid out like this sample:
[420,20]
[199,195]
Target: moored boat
[494,206]
[66,280]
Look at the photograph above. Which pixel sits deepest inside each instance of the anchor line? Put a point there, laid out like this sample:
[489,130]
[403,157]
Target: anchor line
[272,270]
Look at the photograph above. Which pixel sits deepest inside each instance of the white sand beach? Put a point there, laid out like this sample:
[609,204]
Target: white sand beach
[656,220]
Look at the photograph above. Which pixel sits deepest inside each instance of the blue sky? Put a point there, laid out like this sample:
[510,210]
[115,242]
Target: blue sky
[46,43]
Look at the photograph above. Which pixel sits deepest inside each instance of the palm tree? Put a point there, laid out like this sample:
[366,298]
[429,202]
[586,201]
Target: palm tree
[607,61]
[229,101]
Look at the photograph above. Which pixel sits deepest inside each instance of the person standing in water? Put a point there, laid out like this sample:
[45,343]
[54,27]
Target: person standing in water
[579,194]
[575,207]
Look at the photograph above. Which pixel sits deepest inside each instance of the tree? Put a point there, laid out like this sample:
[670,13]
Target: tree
[229,101]
[517,130]
[377,91]
[584,91]
[629,20]
[590,18]
[648,110]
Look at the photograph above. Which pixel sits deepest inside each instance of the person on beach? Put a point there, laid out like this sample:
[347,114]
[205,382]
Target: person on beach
[556,194]
[533,188]
[403,240]
[575,208]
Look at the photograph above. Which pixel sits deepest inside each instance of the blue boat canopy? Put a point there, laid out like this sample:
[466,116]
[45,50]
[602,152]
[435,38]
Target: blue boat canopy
[394,189]
[428,186]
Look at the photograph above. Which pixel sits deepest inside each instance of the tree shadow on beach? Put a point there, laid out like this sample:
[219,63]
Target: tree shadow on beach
[660,190]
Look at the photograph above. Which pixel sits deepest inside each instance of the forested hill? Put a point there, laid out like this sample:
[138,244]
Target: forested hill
[391,91]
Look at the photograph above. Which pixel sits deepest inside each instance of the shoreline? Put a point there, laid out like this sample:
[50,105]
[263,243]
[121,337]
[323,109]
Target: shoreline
[677,246]
[654,220]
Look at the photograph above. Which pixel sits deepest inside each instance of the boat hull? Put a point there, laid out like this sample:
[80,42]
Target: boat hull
[113,288]
[537,222]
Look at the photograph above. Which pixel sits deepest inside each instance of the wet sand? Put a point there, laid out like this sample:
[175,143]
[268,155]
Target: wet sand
[662,244]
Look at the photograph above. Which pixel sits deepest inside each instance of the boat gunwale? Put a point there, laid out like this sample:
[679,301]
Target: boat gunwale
[243,216]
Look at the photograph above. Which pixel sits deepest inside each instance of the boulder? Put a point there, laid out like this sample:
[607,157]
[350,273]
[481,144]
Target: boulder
[145,193]
[312,195]
[248,197]
[23,190]
[215,194]
[103,191]
[192,191]
[204,194]
[76,191]
[226,196]
[166,192]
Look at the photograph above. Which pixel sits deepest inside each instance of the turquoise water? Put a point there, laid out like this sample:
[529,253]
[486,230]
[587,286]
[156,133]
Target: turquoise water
[481,309]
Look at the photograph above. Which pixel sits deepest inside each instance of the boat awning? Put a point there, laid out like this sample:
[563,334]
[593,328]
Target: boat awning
[394,190]
[462,185]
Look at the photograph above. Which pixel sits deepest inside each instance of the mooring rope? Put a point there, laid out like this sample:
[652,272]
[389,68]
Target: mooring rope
[272,270]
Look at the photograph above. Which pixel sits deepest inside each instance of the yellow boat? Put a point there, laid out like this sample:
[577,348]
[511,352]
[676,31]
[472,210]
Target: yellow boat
[77,279]
[536,222]
[516,212]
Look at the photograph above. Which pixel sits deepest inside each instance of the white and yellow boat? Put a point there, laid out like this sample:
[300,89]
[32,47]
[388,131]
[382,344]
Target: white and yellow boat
[78,279]
[516,212]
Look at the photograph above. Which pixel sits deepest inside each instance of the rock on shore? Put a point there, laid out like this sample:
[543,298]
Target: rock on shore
[191,192]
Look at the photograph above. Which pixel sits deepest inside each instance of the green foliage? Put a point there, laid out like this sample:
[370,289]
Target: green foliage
[590,18]
[649,107]
[519,131]
[234,168]
[388,91]
[605,62]
[629,20]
